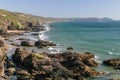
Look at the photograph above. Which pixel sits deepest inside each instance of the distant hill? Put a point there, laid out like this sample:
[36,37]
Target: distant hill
[94,19]
[15,20]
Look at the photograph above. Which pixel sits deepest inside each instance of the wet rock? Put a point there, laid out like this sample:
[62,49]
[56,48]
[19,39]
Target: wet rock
[35,34]
[44,43]
[69,48]
[26,43]
[1,43]
[115,63]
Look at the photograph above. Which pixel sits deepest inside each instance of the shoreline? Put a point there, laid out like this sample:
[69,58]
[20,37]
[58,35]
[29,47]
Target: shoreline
[31,38]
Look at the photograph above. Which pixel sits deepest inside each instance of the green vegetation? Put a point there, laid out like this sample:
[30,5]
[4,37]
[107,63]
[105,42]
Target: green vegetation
[16,21]
[36,56]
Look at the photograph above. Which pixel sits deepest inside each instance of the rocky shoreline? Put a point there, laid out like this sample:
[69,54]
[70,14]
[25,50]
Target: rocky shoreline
[27,64]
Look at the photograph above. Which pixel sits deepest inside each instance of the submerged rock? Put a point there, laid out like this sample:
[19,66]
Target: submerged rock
[69,48]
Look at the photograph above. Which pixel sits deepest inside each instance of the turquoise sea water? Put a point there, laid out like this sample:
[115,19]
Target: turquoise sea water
[100,38]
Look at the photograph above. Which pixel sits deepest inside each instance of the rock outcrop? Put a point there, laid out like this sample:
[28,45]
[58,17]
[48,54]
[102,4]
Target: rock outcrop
[65,66]
[3,57]
[26,43]
[42,43]
[115,63]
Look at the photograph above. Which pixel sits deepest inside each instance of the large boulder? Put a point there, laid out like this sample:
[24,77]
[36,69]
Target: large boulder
[79,63]
[44,43]
[20,55]
[115,63]
[26,43]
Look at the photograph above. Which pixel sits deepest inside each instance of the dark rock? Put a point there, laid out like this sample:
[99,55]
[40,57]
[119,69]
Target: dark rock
[10,64]
[24,39]
[36,34]
[63,66]
[40,77]
[44,43]
[38,28]
[1,43]
[20,55]
[15,44]
[26,43]
[69,48]
[115,63]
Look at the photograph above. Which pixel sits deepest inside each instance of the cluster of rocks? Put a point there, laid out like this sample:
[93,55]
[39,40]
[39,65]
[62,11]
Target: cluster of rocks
[115,63]
[44,43]
[43,66]
[39,43]
[38,28]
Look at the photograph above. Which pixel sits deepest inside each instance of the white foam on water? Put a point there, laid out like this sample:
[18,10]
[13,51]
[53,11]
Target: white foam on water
[43,36]
[55,49]
[111,53]
[96,57]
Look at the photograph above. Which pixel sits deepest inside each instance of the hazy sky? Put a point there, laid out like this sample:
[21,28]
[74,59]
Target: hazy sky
[65,8]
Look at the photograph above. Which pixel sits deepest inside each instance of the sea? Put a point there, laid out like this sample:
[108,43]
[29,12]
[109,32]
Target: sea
[100,38]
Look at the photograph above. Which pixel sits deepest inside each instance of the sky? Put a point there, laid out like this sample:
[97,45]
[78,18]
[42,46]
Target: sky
[65,8]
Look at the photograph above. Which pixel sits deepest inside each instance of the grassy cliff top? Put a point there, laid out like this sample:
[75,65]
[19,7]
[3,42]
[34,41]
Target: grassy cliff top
[17,20]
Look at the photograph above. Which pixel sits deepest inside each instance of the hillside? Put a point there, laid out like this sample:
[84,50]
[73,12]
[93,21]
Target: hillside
[14,20]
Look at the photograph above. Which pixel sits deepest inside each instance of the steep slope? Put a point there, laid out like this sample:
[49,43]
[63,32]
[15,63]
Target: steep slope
[14,20]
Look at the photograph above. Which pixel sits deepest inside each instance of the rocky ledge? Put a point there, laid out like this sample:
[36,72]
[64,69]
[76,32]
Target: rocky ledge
[115,63]
[43,66]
